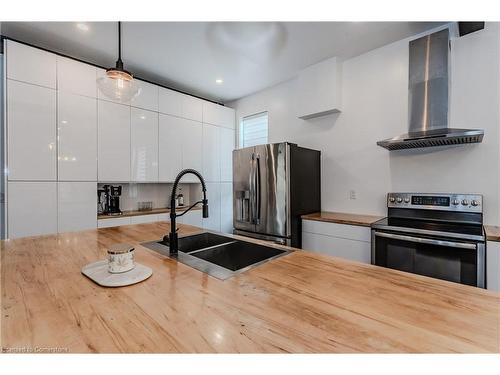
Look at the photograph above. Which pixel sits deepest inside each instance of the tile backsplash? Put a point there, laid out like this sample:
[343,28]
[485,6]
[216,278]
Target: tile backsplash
[157,193]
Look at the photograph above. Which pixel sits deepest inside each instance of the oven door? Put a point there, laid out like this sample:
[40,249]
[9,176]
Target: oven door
[458,261]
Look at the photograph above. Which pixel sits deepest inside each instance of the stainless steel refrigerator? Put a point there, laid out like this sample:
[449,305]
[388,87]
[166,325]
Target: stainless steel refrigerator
[273,185]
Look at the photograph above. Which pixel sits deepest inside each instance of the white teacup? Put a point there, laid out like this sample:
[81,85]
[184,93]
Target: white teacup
[120,258]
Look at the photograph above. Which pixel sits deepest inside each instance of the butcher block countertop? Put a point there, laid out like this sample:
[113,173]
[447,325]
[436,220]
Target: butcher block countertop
[492,232]
[301,302]
[154,211]
[342,218]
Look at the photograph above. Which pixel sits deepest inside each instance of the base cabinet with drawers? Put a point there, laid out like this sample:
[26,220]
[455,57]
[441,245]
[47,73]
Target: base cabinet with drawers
[340,240]
[493,266]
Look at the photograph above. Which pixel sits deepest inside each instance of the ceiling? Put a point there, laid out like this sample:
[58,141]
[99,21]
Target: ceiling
[191,56]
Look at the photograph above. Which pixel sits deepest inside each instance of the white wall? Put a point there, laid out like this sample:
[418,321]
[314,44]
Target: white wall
[375,106]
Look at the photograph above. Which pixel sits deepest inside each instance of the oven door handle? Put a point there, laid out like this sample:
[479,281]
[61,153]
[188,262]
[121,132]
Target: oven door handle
[428,241]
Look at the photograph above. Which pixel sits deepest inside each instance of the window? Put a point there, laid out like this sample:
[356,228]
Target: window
[253,130]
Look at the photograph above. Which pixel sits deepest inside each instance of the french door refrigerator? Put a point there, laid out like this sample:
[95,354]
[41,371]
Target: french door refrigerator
[273,185]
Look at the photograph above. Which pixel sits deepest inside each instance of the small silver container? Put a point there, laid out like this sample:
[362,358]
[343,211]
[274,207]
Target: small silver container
[120,258]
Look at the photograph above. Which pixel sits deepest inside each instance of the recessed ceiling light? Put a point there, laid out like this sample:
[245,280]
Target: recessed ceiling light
[219,81]
[83,26]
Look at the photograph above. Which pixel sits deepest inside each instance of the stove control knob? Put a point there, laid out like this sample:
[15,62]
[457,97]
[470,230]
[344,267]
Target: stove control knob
[465,202]
[392,199]
[455,202]
[399,200]
[407,200]
[475,203]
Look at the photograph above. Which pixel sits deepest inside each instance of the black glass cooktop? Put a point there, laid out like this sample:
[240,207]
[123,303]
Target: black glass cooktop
[408,225]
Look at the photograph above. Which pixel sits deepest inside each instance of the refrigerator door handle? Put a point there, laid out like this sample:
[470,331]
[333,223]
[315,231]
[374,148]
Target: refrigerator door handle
[258,189]
[252,189]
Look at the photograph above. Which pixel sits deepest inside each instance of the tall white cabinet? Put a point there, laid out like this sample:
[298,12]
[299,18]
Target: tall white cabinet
[31,129]
[144,145]
[65,136]
[113,140]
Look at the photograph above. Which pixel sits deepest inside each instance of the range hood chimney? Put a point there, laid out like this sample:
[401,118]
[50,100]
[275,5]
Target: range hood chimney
[428,98]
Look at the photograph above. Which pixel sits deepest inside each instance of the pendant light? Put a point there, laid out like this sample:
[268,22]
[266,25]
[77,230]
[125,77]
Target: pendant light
[118,84]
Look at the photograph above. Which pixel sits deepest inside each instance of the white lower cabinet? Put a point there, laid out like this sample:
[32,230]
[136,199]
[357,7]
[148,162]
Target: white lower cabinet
[77,208]
[344,241]
[214,207]
[163,217]
[192,218]
[32,209]
[493,266]
[143,219]
[226,207]
[114,222]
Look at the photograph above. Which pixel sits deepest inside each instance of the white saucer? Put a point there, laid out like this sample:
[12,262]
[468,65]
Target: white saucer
[98,272]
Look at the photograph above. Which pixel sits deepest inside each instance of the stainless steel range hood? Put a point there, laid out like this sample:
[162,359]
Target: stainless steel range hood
[428,87]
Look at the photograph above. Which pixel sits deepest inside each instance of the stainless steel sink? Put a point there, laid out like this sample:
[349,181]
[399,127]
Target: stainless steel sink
[218,256]
[199,241]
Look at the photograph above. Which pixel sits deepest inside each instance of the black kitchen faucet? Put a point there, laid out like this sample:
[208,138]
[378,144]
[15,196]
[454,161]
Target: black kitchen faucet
[173,240]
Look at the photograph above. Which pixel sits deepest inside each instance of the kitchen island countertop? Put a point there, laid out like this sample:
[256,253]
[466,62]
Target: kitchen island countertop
[301,302]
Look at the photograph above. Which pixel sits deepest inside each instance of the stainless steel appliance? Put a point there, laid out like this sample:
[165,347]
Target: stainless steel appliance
[273,185]
[108,200]
[436,235]
[428,87]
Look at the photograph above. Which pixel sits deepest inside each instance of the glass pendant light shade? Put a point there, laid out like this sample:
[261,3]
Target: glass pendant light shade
[118,84]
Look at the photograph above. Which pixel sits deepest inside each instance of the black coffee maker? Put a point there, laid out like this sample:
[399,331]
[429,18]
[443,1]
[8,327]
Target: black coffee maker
[111,199]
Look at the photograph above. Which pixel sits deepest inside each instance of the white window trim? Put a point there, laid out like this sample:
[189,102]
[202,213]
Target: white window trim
[240,126]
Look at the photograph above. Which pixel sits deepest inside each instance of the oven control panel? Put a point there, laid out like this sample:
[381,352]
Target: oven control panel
[436,201]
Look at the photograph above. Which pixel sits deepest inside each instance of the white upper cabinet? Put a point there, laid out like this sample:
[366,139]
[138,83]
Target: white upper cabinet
[144,145]
[113,141]
[219,115]
[31,119]
[181,105]
[147,98]
[170,102]
[76,77]
[77,208]
[32,209]
[169,147]
[77,137]
[180,147]
[30,65]
[214,207]
[211,153]
[319,89]
[191,139]
[192,108]
[227,139]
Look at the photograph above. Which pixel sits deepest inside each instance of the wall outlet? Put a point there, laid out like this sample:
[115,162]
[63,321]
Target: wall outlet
[352,194]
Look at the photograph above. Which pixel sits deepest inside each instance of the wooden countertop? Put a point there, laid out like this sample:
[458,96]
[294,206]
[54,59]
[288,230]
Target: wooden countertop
[149,212]
[342,218]
[492,232]
[301,302]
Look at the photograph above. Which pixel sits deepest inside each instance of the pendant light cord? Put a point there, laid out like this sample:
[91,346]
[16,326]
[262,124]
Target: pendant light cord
[119,40]
[119,62]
